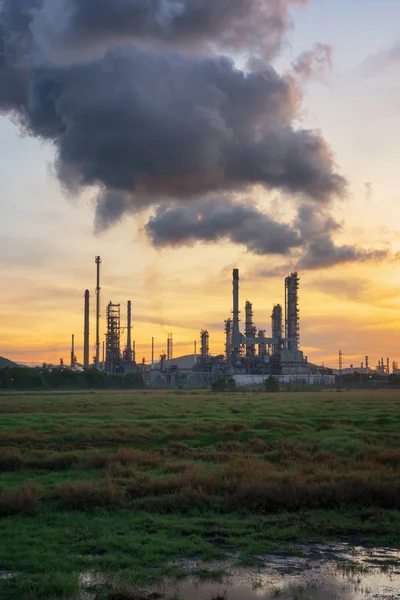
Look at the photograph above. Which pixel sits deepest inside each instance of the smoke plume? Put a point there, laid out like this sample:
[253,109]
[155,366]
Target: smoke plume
[315,63]
[138,101]
[320,250]
[221,219]
[310,236]
[256,27]
[143,123]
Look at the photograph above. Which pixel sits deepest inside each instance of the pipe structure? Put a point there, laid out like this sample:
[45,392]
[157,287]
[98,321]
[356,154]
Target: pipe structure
[277,323]
[292,329]
[97,358]
[228,339]
[129,334]
[250,330]
[262,347]
[236,313]
[86,331]
[170,351]
[205,338]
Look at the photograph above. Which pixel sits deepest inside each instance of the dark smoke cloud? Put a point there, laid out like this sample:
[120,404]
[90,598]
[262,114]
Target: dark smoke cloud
[309,237]
[254,26]
[321,251]
[220,219]
[148,123]
[315,63]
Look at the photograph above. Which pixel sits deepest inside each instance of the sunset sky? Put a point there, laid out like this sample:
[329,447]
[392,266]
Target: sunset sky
[48,241]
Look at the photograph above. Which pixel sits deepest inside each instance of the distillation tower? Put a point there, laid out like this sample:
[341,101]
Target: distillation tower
[292,326]
[113,336]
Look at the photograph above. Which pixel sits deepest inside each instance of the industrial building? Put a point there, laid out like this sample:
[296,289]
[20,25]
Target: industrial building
[252,356]
[249,356]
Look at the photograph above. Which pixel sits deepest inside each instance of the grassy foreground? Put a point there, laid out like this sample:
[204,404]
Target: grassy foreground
[122,483]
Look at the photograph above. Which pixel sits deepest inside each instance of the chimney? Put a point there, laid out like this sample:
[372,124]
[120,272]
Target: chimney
[129,334]
[235,324]
[86,331]
[97,359]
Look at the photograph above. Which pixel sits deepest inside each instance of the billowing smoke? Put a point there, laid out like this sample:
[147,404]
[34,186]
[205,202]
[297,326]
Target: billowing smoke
[310,236]
[150,124]
[221,219]
[254,26]
[315,63]
[138,101]
[316,230]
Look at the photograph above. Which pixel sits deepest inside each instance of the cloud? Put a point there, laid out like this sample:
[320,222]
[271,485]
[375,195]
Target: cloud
[149,122]
[321,251]
[73,27]
[315,63]
[308,240]
[219,219]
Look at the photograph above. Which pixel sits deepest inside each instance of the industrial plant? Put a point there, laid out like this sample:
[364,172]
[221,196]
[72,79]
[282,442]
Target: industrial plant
[251,353]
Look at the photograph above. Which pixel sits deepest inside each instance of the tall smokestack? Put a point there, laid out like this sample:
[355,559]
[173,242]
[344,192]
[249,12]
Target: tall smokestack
[235,324]
[129,334]
[73,357]
[97,358]
[152,352]
[228,339]
[86,331]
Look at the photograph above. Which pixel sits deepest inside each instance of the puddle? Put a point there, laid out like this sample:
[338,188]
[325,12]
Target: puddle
[330,572]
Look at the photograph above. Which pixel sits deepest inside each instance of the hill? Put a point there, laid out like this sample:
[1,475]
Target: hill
[4,362]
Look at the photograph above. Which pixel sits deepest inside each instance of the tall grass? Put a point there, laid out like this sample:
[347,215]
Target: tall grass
[262,454]
[23,501]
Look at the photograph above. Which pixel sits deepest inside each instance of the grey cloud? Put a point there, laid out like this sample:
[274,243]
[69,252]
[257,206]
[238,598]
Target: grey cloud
[110,208]
[316,228]
[145,124]
[254,26]
[321,251]
[315,63]
[219,219]
[148,124]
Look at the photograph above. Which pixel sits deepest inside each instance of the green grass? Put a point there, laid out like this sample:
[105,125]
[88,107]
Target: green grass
[125,482]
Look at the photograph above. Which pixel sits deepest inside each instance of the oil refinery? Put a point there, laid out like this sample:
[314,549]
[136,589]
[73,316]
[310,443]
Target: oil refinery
[251,354]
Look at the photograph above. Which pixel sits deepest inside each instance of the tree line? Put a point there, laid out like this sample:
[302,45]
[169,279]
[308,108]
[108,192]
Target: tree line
[24,378]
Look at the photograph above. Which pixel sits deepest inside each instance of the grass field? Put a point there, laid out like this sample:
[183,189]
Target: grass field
[123,483]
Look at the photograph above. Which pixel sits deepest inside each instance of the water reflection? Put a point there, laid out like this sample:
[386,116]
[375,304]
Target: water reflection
[321,573]
[330,572]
